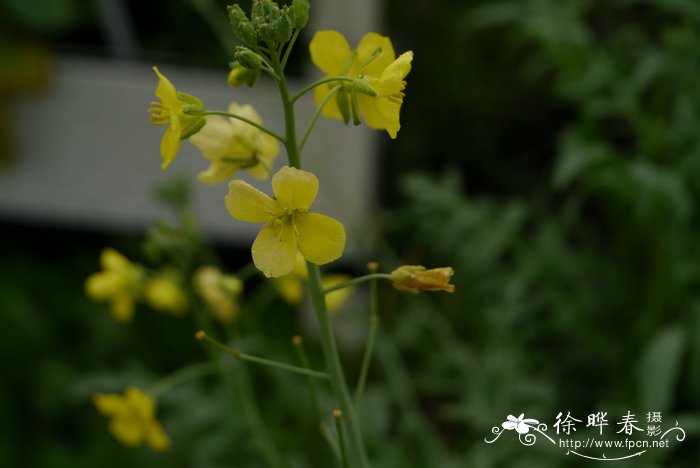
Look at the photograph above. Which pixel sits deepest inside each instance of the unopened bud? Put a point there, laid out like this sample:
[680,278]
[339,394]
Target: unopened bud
[242,27]
[248,59]
[301,13]
[240,75]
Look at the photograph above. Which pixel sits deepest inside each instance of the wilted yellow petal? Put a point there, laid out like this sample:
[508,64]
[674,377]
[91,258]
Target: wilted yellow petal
[248,204]
[321,238]
[275,248]
[330,52]
[294,189]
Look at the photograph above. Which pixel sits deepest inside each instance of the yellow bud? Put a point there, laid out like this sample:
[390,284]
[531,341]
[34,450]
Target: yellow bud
[200,335]
[415,278]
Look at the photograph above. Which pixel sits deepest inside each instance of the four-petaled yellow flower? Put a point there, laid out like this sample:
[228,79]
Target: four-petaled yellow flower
[120,283]
[219,292]
[181,111]
[132,418]
[231,144]
[289,226]
[374,62]
[291,287]
[415,278]
[164,293]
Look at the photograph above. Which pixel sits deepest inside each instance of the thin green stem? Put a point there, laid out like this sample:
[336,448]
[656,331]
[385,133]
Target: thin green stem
[328,79]
[316,115]
[341,439]
[265,362]
[249,122]
[359,279]
[290,140]
[330,351]
[306,364]
[185,374]
[369,347]
[290,46]
[235,383]
[328,437]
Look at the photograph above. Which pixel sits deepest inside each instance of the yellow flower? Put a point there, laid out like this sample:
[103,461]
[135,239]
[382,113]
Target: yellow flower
[181,111]
[289,226]
[219,292]
[291,287]
[132,418]
[415,278]
[374,62]
[231,144]
[120,283]
[163,293]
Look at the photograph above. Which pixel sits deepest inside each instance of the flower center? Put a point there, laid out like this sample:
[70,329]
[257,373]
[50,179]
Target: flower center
[159,115]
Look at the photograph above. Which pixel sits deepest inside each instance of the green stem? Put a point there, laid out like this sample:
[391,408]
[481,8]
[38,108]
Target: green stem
[328,79]
[290,140]
[316,115]
[359,279]
[265,362]
[290,46]
[306,364]
[192,372]
[235,383]
[330,351]
[249,122]
[341,439]
[369,348]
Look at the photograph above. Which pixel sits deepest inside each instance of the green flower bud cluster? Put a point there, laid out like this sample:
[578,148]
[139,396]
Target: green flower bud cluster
[269,24]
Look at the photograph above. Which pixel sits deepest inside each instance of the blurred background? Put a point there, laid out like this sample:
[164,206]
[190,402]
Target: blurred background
[549,152]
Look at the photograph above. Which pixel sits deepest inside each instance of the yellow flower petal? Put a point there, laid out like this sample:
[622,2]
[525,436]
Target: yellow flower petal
[249,204]
[336,299]
[122,308]
[169,144]
[391,81]
[104,285]
[110,259]
[290,288]
[380,113]
[156,437]
[166,90]
[218,172]
[321,238]
[294,189]
[109,404]
[369,44]
[214,139]
[128,430]
[275,248]
[330,52]
[331,109]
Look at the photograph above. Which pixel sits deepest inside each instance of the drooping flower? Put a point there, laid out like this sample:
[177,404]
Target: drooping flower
[375,63]
[181,112]
[289,226]
[163,293]
[291,287]
[219,292]
[132,418]
[415,278]
[231,144]
[120,283]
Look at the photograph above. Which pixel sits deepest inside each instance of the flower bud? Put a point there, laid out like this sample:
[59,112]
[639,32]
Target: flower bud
[242,27]
[300,9]
[415,278]
[341,98]
[240,75]
[248,59]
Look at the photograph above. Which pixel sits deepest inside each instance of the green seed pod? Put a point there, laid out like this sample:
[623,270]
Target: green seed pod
[361,86]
